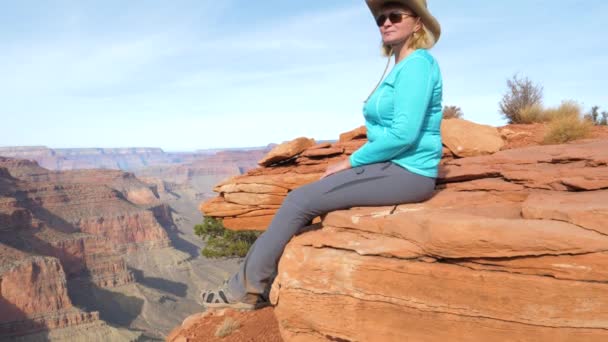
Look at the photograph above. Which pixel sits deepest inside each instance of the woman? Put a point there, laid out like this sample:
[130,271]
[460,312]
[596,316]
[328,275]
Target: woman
[398,164]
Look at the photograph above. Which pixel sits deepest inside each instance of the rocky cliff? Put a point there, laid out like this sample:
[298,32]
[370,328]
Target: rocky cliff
[35,304]
[513,245]
[62,229]
[196,179]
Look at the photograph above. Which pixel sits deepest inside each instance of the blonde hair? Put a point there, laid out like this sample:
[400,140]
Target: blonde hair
[421,39]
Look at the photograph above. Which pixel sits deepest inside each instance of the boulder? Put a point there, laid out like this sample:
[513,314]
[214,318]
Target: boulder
[467,139]
[286,150]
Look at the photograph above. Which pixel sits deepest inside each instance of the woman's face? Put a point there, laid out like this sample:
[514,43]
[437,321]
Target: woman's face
[397,32]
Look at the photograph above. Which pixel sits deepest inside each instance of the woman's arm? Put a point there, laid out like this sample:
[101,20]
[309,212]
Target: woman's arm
[413,90]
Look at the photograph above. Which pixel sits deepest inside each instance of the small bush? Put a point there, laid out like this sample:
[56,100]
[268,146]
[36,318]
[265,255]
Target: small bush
[532,114]
[537,114]
[228,326]
[452,112]
[566,128]
[222,242]
[521,94]
[565,109]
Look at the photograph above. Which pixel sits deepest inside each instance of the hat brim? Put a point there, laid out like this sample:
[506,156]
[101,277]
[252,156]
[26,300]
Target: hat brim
[418,7]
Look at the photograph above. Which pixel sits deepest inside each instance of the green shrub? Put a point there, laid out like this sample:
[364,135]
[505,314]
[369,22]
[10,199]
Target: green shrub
[222,242]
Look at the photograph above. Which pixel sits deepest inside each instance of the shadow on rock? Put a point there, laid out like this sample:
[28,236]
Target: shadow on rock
[115,308]
[164,215]
[14,322]
[173,287]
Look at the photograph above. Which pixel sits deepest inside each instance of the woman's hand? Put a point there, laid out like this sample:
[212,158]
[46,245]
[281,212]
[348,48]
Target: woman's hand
[336,167]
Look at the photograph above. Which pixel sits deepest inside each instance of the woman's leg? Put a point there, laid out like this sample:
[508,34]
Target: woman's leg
[369,185]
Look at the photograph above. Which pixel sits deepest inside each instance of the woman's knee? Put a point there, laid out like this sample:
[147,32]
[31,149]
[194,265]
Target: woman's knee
[303,197]
[296,196]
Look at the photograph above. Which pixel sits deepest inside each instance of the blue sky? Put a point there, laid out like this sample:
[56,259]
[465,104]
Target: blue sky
[192,74]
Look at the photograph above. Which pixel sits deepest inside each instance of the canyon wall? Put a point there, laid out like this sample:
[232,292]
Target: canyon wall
[69,228]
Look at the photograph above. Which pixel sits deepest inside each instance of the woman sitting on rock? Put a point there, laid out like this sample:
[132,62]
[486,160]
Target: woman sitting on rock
[398,164]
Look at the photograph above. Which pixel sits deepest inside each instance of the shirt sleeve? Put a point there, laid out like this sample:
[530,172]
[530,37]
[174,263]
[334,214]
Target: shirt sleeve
[413,90]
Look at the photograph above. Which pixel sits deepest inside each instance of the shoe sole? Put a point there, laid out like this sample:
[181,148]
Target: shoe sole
[237,306]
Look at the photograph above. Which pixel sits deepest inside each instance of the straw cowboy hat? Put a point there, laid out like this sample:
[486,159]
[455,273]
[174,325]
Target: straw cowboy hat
[417,6]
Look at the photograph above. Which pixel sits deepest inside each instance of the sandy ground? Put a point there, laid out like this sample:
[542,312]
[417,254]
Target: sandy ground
[253,326]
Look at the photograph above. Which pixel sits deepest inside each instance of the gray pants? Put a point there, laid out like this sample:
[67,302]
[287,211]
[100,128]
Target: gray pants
[377,184]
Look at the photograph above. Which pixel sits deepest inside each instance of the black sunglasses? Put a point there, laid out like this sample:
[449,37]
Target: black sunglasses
[394,17]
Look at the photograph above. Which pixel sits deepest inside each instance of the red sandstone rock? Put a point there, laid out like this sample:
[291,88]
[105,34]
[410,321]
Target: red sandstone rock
[350,146]
[357,133]
[258,325]
[585,209]
[468,139]
[322,152]
[33,296]
[512,246]
[253,188]
[248,223]
[286,151]
[252,198]
[319,145]
[399,259]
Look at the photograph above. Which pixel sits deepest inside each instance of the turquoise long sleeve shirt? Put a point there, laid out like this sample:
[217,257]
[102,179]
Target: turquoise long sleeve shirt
[403,117]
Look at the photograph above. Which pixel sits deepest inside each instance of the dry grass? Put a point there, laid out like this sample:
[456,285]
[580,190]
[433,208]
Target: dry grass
[566,109]
[532,114]
[228,326]
[566,124]
[537,114]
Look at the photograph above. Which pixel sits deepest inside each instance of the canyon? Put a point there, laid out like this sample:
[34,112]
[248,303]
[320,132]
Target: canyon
[126,159]
[102,254]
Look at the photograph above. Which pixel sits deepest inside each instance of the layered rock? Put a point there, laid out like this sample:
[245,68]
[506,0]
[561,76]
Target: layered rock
[108,203]
[33,295]
[513,245]
[94,220]
[249,201]
[74,226]
[196,179]
[491,255]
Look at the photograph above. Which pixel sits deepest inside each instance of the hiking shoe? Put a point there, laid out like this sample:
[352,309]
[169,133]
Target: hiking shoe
[218,299]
